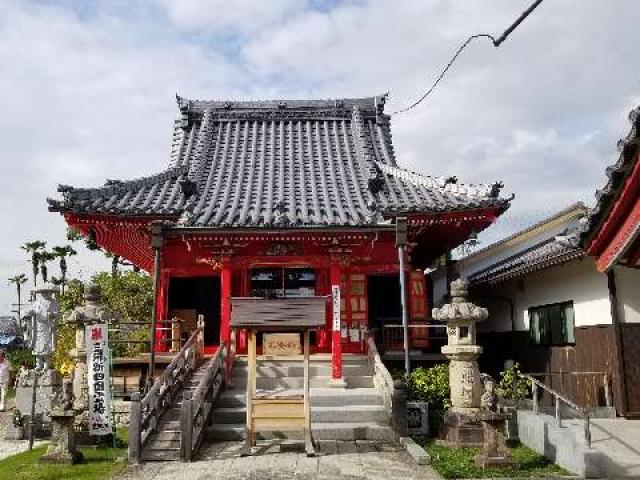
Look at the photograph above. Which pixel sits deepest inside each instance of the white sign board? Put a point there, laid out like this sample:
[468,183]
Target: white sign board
[100,421]
[335,297]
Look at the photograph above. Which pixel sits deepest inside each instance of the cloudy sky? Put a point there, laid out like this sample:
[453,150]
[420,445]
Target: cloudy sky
[87,91]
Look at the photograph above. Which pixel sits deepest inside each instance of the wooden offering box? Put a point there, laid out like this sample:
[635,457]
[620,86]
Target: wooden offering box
[284,319]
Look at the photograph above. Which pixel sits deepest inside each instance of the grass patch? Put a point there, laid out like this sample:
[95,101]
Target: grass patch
[99,464]
[459,463]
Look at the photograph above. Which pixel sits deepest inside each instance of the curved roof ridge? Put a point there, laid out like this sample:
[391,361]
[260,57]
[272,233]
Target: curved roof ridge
[117,186]
[372,103]
[435,181]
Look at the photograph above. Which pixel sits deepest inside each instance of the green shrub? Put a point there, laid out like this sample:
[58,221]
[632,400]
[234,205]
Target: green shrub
[431,385]
[512,386]
[21,356]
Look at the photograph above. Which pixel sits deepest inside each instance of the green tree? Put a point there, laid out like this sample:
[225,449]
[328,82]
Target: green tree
[34,249]
[18,281]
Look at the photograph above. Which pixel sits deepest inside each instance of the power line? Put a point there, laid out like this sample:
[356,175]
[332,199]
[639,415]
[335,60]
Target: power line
[496,43]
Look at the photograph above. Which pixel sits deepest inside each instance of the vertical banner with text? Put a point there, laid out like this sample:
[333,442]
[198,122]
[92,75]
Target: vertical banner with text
[100,420]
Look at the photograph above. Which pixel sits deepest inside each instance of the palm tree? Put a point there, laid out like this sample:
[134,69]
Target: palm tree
[18,281]
[45,257]
[115,262]
[62,253]
[34,248]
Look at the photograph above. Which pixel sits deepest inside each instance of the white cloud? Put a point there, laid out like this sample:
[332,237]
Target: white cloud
[237,15]
[88,95]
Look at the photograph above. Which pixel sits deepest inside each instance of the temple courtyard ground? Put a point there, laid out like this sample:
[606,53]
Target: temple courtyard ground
[335,460]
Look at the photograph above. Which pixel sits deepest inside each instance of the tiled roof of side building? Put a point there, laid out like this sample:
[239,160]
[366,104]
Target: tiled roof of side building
[297,163]
[555,251]
[617,174]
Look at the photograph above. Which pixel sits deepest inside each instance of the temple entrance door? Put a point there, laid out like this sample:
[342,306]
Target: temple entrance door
[193,296]
[385,311]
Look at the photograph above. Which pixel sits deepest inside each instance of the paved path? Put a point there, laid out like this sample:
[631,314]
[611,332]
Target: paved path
[335,461]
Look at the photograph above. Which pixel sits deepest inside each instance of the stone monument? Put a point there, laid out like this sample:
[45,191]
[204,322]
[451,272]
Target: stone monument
[62,447]
[495,452]
[462,426]
[37,387]
[89,313]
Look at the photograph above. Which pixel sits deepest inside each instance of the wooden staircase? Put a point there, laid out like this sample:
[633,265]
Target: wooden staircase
[168,423]
[164,443]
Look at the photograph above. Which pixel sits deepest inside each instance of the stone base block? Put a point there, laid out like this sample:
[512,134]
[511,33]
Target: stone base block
[483,461]
[67,458]
[461,431]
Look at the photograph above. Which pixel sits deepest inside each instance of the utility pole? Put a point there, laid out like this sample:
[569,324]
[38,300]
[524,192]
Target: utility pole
[157,241]
[401,243]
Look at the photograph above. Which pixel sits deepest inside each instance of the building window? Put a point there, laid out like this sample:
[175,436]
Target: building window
[552,324]
[277,282]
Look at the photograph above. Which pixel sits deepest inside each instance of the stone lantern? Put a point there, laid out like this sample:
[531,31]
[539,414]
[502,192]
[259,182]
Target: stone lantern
[462,425]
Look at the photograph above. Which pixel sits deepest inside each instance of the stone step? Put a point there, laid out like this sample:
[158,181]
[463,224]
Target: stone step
[156,443]
[297,370]
[167,435]
[348,431]
[160,455]
[334,414]
[273,383]
[320,397]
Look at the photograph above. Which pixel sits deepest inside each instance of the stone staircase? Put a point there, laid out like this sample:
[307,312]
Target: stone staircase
[164,444]
[353,413]
[615,444]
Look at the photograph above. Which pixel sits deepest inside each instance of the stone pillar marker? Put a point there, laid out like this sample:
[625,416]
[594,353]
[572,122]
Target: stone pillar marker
[462,426]
[89,313]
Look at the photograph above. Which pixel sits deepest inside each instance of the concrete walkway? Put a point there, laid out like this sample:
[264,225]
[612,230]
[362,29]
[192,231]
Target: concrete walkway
[360,460]
[616,445]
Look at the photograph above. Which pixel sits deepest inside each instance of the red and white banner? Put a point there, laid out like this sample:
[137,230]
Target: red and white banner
[100,421]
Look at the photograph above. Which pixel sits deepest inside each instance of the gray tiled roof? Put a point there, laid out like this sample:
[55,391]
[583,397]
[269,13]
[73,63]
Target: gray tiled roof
[286,163]
[617,174]
[555,251]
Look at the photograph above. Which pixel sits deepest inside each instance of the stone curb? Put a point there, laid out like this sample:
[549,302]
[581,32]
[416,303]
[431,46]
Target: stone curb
[415,451]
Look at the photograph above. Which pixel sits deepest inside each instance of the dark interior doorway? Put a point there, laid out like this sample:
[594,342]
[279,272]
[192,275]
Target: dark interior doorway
[194,296]
[383,298]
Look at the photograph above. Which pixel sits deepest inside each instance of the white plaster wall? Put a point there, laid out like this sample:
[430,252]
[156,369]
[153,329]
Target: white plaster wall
[439,283]
[578,281]
[628,290]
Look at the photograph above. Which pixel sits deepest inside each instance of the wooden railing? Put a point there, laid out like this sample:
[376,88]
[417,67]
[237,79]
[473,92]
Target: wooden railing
[392,336]
[196,407]
[394,397]
[146,413]
[582,412]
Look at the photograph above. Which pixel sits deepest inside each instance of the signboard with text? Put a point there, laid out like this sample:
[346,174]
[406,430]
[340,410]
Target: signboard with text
[100,421]
[335,297]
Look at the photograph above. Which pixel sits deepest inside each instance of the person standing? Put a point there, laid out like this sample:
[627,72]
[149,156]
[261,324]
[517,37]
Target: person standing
[5,378]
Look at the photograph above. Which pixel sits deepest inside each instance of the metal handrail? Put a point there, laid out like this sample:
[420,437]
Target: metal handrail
[606,380]
[558,398]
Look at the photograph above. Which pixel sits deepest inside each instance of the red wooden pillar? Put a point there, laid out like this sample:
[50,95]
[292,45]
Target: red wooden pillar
[162,309]
[225,301]
[245,291]
[336,345]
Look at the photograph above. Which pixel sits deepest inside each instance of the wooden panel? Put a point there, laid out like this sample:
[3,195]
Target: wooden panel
[281,344]
[279,410]
[594,351]
[278,424]
[631,351]
[281,313]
